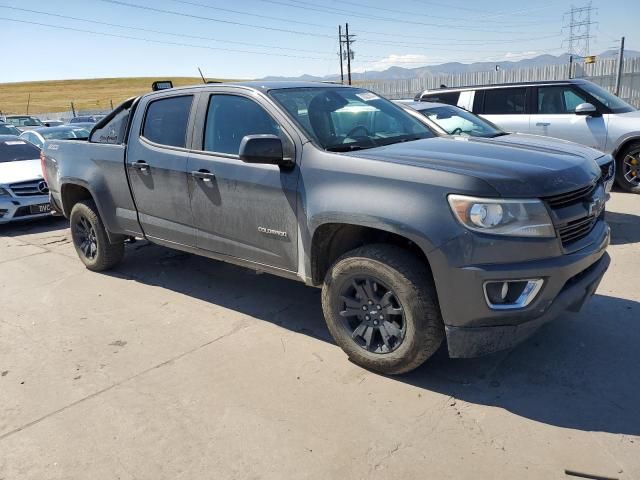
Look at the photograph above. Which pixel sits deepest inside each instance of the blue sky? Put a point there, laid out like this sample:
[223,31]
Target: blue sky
[255,38]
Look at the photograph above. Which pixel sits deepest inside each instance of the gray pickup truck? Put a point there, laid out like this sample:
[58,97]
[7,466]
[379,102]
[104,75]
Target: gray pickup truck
[412,237]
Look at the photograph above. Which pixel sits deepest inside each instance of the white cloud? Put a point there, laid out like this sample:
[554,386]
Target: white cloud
[394,60]
[518,55]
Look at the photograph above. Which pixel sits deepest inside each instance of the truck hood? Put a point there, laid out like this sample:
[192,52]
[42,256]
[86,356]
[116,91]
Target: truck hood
[514,169]
[23,171]
[556,144]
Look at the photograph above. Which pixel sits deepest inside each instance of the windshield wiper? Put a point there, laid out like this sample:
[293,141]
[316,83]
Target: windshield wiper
[499,134]
[345,148]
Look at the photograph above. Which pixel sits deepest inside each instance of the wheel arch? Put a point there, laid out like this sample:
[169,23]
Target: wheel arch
[72,192]
[331,240]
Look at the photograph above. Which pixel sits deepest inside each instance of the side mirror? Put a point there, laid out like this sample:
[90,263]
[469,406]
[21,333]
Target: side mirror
[262,149]
[586,109]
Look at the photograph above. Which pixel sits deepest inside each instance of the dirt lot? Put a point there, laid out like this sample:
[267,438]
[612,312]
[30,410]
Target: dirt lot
[178,367]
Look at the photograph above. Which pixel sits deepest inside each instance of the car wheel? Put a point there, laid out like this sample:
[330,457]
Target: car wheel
[381,307]
[628,168]
[90,238]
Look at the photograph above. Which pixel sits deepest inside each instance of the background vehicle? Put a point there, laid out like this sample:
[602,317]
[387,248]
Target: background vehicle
[8,129]
[412,237]
[85,125]
[575,110]
[23,192]
[52,123]
[457,121]
[24,122]
[85,119]
[66,132]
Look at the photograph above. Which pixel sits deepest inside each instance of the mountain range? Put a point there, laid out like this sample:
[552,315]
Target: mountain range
[398,73]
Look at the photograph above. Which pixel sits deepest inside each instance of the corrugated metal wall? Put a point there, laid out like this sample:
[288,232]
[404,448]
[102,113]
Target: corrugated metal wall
[603,72]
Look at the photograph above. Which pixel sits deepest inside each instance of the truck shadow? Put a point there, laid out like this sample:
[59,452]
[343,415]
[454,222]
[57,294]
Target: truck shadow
[578,372]
[625,228]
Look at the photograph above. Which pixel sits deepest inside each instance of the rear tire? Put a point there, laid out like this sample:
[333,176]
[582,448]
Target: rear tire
[628,168]
[380,305]
[91,240]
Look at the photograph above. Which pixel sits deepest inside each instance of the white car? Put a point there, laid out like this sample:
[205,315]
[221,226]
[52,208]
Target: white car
[575,110]
[23,192]
[65,132]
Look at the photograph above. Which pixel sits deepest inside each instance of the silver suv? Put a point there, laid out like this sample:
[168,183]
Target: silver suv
[575,110]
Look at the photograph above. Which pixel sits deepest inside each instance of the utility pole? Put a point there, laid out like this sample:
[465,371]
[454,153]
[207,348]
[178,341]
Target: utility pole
[28,103]
[620,66]
[340,54]
[73,109]
[348,39]
[570,66]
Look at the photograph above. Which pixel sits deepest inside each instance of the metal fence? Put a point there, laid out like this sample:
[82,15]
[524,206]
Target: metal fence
[603,72]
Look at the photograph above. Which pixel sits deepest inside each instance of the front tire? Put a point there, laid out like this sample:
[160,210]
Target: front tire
[380,305]
[628,168]
[91,240]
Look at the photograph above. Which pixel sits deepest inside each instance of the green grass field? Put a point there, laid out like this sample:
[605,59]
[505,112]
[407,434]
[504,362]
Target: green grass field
[57,95]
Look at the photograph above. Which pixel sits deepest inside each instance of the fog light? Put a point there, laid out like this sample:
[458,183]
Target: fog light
[510,294]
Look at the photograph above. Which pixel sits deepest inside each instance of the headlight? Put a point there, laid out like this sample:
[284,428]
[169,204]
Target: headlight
[496,216]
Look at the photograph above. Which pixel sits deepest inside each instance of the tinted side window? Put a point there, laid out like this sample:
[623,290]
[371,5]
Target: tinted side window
[560,99]
[230,118]
[505,101]
[450,98]
[166,121]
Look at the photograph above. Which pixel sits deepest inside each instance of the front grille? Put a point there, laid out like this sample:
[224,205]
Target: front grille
[29,189]
[565,199]
[575,230]
[573,212]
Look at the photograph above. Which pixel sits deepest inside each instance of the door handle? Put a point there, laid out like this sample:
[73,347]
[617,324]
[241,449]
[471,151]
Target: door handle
[204,175]
[141,165]
[543,124]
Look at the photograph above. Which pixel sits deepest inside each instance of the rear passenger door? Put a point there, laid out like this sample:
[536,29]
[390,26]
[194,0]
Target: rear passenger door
[506,107]
[242,210]
[554,116]
[157,166]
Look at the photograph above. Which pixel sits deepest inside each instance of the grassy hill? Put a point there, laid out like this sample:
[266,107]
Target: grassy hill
[94,94]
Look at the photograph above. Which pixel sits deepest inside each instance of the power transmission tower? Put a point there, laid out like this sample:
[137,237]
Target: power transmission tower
[348,54]
[579,30]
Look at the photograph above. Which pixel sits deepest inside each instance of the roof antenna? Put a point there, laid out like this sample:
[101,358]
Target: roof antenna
[202,76]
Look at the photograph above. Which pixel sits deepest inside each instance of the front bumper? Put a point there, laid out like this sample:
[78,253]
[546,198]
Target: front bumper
[19,208]
[473,329]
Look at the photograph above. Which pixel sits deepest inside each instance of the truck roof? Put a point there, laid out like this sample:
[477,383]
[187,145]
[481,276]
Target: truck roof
[263,86]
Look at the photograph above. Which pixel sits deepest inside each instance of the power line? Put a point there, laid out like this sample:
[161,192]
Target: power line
[163,42]
[278,19]
[161,32]
[211,19]
[311,6]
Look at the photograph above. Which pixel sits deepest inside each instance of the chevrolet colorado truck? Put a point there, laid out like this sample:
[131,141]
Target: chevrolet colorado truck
[412,237]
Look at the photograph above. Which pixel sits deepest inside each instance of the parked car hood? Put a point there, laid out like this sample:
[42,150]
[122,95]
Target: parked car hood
[23,171]
[512,168]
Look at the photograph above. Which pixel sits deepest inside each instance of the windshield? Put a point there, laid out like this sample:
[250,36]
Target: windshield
[457,121]
[25,122]
[17,150]
[8,130]
[344,118]
[609,100]
[65,133]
